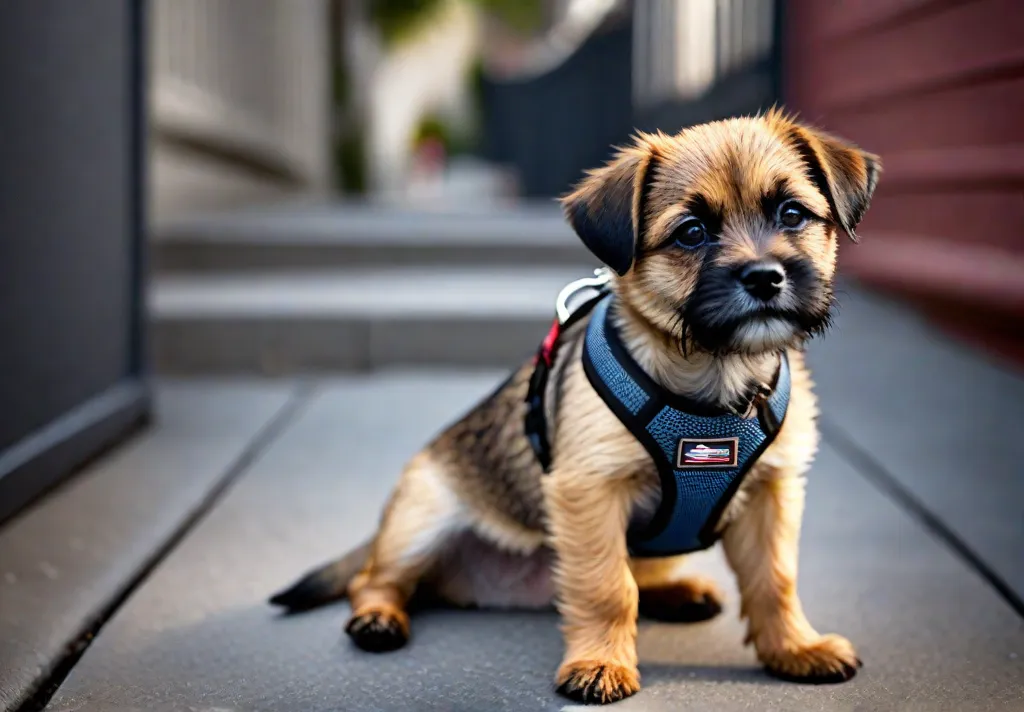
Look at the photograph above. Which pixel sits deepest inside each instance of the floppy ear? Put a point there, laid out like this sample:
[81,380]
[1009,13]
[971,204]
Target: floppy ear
[844,174]
[606,208]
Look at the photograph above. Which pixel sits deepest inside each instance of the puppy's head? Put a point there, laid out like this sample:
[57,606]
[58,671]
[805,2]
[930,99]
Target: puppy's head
[724,236]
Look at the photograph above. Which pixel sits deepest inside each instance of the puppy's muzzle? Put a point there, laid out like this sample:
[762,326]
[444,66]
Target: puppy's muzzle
[763,280]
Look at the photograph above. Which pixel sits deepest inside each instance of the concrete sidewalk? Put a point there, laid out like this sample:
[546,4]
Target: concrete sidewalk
[890,503]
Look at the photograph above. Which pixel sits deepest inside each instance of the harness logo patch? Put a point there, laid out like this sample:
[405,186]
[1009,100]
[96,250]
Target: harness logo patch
[708,452]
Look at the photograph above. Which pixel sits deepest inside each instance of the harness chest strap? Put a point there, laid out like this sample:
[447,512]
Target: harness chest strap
[701,454]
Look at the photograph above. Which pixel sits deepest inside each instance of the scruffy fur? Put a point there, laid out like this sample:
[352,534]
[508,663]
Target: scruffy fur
[474,521]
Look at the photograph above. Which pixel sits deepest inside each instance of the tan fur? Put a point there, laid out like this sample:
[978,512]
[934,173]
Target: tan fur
[475,504]
[421,515]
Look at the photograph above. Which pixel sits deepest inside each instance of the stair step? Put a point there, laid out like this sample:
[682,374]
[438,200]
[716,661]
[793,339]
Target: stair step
[343,320]
[366,235]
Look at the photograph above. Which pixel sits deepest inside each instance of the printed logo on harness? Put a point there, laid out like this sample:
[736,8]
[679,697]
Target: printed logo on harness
[707,453]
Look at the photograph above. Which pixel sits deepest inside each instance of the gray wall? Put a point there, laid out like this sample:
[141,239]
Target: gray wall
[70,219]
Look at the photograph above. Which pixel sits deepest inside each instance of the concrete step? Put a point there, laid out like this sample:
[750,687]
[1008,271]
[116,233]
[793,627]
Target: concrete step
[343,320]
[311,236]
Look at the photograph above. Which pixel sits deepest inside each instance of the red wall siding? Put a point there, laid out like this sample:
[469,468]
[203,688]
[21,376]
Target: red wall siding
[936,87]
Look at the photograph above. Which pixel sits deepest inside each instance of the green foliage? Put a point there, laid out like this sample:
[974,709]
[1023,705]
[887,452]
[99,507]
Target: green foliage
[431,127]
[350,162]
[340,84]
[475,78]
[397,19]
[520,15]
[455,142]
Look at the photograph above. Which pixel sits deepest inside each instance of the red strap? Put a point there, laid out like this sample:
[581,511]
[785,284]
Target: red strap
[547,348]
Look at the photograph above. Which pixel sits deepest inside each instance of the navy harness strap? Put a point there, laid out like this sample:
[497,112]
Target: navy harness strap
[702,454]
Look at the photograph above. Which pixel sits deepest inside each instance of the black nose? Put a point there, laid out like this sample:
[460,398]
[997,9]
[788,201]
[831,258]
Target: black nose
[762,281]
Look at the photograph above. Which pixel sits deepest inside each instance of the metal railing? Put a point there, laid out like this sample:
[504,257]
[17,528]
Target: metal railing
[680,49]
[247,80]
[659,64]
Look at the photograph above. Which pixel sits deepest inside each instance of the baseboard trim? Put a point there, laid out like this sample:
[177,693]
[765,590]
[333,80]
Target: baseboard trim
[43,459]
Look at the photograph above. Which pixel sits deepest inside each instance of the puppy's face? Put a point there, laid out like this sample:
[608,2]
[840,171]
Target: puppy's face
[724,236]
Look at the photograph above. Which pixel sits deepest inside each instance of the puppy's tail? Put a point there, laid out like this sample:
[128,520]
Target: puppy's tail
[324,584]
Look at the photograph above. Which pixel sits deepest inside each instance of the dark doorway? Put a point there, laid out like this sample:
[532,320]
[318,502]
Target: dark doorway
[71,237]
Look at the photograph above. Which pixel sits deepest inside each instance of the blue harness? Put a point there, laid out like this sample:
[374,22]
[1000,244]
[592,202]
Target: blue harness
[702,454]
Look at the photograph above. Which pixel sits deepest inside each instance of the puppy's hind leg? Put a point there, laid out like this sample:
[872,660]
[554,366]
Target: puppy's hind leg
[324,584]
[668,595]
[421,517]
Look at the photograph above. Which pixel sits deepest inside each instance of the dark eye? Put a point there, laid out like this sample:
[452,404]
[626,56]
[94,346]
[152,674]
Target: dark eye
[690,234]
[792,215]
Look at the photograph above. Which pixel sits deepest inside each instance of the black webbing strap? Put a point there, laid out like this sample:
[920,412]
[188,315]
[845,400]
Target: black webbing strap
[535,420]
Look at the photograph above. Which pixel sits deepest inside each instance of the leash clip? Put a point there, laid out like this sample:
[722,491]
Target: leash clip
[602,276]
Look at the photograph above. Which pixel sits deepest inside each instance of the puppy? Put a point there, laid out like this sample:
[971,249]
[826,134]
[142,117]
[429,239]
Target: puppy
[720,246]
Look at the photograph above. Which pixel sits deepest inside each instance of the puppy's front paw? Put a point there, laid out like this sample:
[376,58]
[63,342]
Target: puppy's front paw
[825,660]
[378,631]
[596,682]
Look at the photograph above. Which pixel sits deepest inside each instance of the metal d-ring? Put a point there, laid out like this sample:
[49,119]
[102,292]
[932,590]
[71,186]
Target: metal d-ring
[601,278]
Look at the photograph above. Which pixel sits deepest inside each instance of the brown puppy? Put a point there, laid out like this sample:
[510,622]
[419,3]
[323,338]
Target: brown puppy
[723,239]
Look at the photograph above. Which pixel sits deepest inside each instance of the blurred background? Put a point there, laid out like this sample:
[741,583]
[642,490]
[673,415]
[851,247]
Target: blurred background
[292,186]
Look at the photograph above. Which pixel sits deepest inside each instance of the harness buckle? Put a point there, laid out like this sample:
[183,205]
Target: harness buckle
[602,276]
